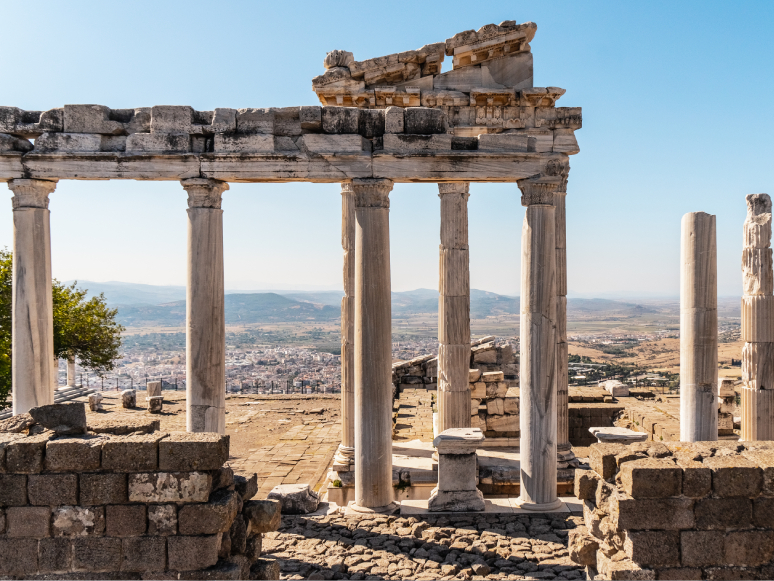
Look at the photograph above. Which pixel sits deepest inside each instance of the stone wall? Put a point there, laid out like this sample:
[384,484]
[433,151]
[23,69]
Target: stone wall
[150,506]
[678,510]
[494,380]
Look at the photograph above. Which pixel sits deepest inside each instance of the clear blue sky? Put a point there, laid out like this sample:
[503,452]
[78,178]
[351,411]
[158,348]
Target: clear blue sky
[677,112]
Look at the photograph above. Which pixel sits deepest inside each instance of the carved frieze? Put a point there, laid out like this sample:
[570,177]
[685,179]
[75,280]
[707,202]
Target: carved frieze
[489,42]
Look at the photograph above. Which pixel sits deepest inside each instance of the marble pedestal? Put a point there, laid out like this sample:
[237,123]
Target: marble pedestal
[456,490]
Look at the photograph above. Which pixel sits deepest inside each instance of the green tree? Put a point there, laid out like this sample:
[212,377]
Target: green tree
[83,328]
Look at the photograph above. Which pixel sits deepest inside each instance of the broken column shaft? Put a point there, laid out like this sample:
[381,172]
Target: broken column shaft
[698,329]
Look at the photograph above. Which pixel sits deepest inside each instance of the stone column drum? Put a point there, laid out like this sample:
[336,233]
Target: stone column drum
[538,348]
[373,347]
[32,373]
[564,449]
[454,309]
[205,317]
[698,329]
[757,322]
[345,455]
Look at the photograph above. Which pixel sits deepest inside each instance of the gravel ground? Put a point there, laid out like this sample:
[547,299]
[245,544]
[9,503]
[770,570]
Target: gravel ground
[468,546]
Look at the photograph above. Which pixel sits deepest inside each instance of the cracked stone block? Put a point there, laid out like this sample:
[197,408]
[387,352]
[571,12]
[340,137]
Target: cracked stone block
[162,487]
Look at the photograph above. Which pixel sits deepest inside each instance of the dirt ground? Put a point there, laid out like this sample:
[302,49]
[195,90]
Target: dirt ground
[252,421]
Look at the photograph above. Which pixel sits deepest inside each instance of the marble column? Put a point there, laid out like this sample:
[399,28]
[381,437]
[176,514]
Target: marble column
[537,326]
[71,372]
[205,318]
[373,347]
[757,322]
[698,329]
[345,455]
[564,449]
[454,309]
[32,303]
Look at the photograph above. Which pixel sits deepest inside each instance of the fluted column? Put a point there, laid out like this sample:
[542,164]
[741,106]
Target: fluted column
[454,309]
[757,322]
[563,446]
[32,311]
[205,318]
[698,329]
[373,347]
[538,348]
[345,455]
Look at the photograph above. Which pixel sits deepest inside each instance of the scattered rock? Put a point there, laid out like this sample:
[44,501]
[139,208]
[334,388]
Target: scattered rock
[295,498]
[62,418]
[129,398]
[16,424]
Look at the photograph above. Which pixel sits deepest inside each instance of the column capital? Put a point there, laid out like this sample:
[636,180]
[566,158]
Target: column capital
[204,192]
[454,188]
[372,193]
[31,193]
[537,192]
[346,188]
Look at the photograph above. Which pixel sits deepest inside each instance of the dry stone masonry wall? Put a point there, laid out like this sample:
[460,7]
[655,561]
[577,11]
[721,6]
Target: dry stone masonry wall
[150,506]
[702,510]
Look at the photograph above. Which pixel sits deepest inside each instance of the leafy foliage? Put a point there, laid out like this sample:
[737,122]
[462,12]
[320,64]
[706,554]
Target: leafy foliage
[85,329]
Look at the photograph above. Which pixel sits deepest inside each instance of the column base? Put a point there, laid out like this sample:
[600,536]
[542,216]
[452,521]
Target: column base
[456,501]
[565,457]
[391,508]
[538,506]
[344,458]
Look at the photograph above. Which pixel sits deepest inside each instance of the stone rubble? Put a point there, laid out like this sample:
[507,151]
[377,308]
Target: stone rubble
[424,547]
[295,498]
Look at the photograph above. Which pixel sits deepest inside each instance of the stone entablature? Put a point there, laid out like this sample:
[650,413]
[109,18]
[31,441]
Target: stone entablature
[157,505]
[702,510]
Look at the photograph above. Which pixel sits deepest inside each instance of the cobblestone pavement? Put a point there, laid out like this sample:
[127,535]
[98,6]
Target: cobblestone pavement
[302,456]
[465,546]
[415,415]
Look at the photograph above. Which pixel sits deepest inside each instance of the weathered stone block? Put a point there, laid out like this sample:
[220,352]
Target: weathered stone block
[502,423]
[13,490]
[77,521]
[582,547]
[651,478]
[55,555]
[62,418]
[371,123]
[223,478]
[96,554]
[246,487]
[255,121]
[171,119]
[264,516]
[158,143]
[511,401]
[28,521]
[393,122]
[18,556]
[749,548]
[723,513]
[25,456]
[602,459]
[478,390]
[243,143]
[764,459]
[586,482]
[763,512]
[697,478]
[503,142]
[340,119]
[701,548]
[155,404]
[191,553]
[238,535]
[14,425]
[233,568]
[405,143]
[52,489]
[210,518]
[162,519]
[80,454]
[334,144]
[144,554]
[653,548]
[254,546]
[165,487]
[68,142]
[620,567]
[680,573]
[265,569]
[424,120]
[125,520]
[295,498]
[734,476]
[649,514]
[129,398]
[103,489]
[90,119]
[311,118]
[495,406]
[183,451]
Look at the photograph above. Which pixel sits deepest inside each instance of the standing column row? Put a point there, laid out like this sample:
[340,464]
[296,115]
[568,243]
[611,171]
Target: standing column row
[205,317]
[758,322]
[537,329]
[454,309]
[32,372]
[345,455]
